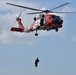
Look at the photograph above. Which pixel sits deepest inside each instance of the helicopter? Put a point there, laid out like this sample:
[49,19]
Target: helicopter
[45,21]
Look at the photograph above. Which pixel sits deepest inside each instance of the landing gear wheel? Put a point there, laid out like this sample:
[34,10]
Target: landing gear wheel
[44,28]
[56,29]
[36,34]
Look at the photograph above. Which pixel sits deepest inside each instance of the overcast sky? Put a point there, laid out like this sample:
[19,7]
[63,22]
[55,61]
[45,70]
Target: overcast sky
[56,50]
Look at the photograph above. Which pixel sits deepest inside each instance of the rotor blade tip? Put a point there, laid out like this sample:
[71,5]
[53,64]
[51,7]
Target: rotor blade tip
[67,3]
[7,3]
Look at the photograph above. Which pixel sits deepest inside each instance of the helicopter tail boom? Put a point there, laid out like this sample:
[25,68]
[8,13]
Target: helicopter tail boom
[16,29]
[21,27]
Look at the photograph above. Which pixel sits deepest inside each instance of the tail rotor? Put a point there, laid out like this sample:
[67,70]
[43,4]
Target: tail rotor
[17,16]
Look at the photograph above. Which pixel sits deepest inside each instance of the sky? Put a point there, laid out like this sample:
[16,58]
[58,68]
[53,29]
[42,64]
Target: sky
[56,50]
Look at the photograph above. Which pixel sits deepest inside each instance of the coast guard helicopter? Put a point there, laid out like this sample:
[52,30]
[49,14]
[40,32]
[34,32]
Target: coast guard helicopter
[45,21]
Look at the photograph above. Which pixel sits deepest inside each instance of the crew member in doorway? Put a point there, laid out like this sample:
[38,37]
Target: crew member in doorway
[36,62]
[42,20]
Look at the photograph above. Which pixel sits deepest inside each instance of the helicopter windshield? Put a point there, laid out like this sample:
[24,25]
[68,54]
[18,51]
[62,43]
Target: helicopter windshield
[56,19]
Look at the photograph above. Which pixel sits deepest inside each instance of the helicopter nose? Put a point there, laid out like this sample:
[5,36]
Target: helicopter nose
[60,21]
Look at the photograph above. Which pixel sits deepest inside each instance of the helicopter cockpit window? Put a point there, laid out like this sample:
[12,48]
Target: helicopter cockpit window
[52,17]
[56,19]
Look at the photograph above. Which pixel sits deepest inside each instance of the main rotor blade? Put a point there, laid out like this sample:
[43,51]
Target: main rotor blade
[24,7]
[53,12]
[66,12]
[35,13]
[60,6]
